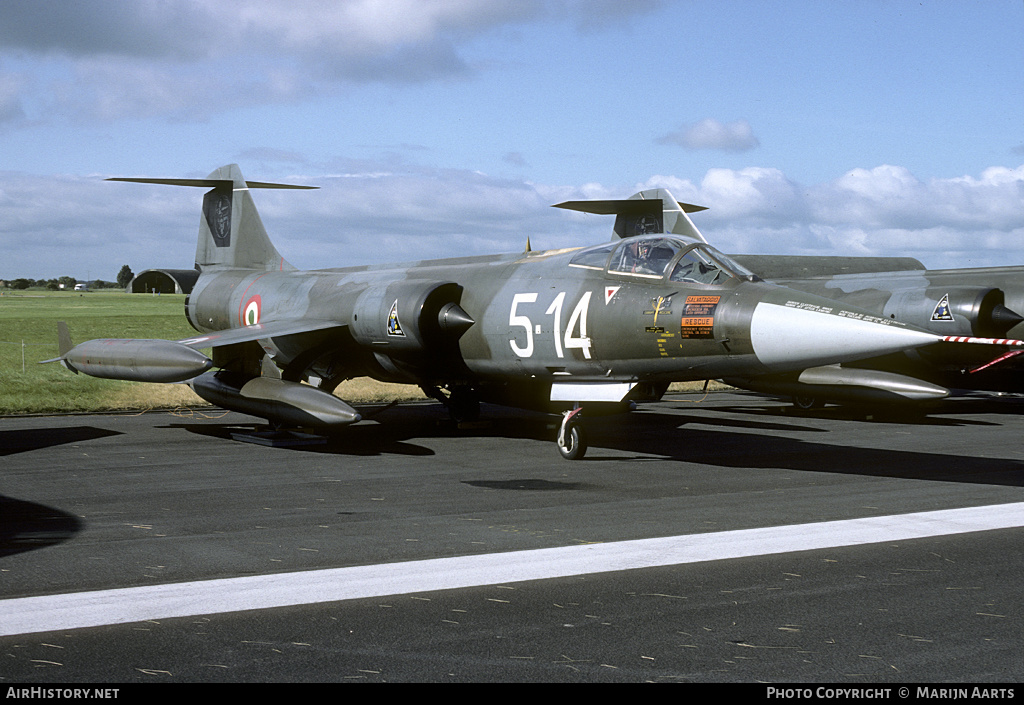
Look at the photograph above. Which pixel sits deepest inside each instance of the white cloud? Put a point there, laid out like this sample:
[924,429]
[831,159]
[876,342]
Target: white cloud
[391,211]
[891,197]
[83,227]
[139,58]
[884,211]
[192,31]
[365,26]
[139,28]
[709,133]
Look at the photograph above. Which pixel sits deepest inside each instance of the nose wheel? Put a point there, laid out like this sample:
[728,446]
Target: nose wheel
[572,437]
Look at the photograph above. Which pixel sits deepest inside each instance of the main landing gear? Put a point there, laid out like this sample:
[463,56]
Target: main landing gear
[462,402]
[572,437]
[808,402]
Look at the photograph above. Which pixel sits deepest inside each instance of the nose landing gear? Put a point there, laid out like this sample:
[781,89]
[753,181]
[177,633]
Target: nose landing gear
[572,437]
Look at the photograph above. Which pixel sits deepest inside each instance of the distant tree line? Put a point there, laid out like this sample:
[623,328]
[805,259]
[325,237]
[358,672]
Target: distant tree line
[54,284]
[68,283]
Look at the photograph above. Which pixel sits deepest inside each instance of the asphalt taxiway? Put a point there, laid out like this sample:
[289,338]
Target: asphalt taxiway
[718,538]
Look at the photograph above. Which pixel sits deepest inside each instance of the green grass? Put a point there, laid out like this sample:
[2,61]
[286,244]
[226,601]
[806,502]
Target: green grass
[28,334]
[28,327]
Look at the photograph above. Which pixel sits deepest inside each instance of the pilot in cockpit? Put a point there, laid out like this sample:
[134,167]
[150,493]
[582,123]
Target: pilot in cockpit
[647,257]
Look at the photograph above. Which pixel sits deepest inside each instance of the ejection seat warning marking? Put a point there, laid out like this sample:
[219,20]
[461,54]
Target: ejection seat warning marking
[394,326]
[699,316]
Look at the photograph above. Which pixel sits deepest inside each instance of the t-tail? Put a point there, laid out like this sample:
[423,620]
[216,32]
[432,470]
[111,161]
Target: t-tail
[231,234]
[649,212]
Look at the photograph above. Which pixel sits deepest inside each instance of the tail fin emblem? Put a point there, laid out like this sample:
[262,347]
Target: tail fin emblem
[217,211]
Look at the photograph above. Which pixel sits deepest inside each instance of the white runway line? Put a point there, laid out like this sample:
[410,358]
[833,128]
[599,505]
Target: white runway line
[90,609]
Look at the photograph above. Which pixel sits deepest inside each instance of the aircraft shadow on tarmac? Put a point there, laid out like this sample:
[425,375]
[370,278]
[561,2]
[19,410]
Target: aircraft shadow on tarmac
[27,526]
[377,440]
[24,440]
[650,434]
[714,447]
[368,440]
[860,414]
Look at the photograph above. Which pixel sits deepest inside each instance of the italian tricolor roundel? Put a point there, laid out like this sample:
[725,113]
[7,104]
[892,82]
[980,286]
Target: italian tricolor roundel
[251,311]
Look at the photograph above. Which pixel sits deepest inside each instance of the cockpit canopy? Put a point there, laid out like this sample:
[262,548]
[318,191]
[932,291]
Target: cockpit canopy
[680,259]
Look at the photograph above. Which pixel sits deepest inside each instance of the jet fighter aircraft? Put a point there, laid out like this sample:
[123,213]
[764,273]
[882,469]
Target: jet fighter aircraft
[978,303]
[596,327]
[955,303]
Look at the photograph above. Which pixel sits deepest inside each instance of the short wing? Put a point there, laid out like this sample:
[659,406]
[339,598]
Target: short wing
[270,329]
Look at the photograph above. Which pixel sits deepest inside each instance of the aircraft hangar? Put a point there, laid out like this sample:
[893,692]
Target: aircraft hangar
[163,281]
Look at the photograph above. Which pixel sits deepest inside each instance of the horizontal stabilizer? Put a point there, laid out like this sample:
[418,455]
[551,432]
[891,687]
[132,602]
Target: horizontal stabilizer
[653,211]
[208,183]
[624,205]
[231,234]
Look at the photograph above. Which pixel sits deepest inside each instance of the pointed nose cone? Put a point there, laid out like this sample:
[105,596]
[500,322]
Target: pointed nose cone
[453,319]
[1004,319]
[788,337]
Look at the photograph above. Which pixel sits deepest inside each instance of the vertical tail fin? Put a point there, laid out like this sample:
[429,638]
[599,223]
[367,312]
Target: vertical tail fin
[231,233]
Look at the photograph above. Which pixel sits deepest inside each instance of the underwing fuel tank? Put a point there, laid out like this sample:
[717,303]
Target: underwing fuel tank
[845,384]
[838,380]
[279,401]
[136,360]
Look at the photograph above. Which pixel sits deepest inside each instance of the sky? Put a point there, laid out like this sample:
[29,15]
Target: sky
[438,128]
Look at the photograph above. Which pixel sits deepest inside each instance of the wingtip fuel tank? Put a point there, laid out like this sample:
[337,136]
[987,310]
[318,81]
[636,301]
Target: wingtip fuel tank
[136,360]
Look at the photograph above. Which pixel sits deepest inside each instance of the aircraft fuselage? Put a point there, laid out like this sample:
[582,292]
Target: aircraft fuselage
[537,320]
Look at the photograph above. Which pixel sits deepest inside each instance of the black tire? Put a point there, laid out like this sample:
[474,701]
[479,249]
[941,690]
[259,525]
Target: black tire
[464,406]
[808,403]
[575,442]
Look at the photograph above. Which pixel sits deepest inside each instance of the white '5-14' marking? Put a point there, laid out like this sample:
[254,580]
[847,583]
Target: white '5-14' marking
[569,338]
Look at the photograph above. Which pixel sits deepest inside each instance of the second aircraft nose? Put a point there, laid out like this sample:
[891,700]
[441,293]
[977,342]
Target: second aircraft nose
[797,334]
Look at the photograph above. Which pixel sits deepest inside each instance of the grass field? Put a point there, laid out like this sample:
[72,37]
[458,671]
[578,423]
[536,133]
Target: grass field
[28,334]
